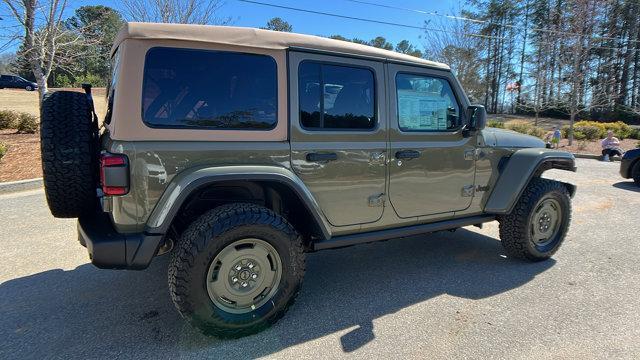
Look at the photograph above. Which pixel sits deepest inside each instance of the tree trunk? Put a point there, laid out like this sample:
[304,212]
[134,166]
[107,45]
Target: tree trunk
[30,49]
[41,80]
[524,49]
[571,122]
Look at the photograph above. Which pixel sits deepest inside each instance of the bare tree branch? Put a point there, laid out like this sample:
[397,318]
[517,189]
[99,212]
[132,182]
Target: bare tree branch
[175,11]
[47,43]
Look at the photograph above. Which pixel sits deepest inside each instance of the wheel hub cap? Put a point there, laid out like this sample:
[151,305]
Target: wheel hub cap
[546,221]
[244,275]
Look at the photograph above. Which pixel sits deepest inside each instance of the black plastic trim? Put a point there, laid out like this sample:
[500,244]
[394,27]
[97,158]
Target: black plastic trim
[363,238]
[545,164]
[210,180]
[109,249]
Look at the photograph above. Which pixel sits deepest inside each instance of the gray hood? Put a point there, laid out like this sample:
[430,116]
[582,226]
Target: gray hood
[510,139]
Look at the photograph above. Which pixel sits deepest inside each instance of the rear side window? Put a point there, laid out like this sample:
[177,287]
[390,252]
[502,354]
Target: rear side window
[426,103]
[186,88]
[335,97]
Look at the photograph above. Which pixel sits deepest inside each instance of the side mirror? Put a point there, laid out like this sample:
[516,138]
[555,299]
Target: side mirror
[477,117]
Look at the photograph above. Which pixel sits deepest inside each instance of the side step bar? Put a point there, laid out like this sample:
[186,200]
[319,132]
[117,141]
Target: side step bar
[363,238]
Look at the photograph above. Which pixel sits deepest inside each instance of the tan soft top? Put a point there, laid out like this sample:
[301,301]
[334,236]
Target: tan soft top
[258,38]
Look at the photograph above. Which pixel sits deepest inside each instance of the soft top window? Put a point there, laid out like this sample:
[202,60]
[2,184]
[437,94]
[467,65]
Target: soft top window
[188,88]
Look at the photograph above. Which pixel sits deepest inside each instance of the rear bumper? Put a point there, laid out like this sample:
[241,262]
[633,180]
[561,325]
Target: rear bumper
[109,249]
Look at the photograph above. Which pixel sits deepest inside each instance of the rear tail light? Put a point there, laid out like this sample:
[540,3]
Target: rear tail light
[114,174]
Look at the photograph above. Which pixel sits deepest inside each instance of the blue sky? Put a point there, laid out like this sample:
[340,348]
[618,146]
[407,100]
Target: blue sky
[253,15]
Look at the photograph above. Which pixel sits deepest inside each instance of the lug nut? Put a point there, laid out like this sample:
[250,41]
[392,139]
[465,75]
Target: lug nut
[244,284]
[235,279]
[238,267]
[250,265]
[254,276]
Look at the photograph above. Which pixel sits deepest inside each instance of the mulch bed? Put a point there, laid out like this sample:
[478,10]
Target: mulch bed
[22,160]
[593,147]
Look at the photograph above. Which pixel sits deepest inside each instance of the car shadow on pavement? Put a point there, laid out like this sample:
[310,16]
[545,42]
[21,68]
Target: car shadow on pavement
[87,312]
[627,185]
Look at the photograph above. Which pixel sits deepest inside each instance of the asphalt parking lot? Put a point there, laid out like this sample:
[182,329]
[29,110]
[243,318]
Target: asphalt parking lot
[445,295]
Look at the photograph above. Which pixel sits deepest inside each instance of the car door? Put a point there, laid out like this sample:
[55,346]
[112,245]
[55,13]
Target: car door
[338,134]
[432,165]
[8,81]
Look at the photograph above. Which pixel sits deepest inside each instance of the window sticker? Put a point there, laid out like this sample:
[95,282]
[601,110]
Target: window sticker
[420,111]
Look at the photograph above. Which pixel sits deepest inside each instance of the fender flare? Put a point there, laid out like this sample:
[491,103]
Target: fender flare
[185,183]
[518,171]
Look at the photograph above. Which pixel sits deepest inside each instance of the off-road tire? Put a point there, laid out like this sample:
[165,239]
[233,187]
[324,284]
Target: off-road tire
[200,244]
[515,232]
[69,143]
[635,173]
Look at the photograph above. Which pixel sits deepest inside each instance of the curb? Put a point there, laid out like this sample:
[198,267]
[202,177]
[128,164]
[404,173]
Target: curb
[22,185]
[593,157]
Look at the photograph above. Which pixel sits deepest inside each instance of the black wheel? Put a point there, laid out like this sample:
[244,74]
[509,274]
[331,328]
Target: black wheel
[538,224]
[236,270]
[635,173]
[69,146]
[28,88]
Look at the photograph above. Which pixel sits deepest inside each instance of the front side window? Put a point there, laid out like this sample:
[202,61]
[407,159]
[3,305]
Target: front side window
[335,97]
[426,103]
[188,88]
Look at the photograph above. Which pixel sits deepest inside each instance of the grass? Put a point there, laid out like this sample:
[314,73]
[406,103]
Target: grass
[27,101]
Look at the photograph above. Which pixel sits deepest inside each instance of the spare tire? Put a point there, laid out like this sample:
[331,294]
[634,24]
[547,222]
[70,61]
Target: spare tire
[69,146]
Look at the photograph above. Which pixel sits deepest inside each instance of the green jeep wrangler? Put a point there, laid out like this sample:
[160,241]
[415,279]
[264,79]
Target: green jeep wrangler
[239,150]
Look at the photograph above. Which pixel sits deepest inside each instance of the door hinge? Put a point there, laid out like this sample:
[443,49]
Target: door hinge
[468,191]
[473,154]
[377,200]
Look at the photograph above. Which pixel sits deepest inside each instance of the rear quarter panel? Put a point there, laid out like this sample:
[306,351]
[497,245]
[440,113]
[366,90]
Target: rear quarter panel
[155,164]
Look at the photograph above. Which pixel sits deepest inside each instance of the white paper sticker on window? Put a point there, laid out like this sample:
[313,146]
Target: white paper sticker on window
[421,111]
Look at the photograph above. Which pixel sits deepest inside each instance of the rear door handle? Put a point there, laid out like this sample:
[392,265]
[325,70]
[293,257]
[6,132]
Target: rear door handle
[407,154]
[322,157]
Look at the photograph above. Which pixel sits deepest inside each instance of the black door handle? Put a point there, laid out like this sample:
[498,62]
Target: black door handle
[322,156]
[407,154]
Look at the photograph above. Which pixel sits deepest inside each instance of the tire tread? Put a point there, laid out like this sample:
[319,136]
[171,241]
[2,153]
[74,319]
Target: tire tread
[195,240]
[69,158]
[513,227]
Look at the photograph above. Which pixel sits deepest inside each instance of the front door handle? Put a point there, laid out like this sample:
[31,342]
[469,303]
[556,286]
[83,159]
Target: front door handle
[407,154]
[313,157]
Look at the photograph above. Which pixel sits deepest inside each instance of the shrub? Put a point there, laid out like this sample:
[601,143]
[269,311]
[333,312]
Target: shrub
[635,134]
[495,124]
[593,130]
[590,132]
[520,126]
[525,127]
[27,124]
[537,132]
[63,81]
[3,150]
[89,78]
[579,135]
[620,129]
[8,119]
